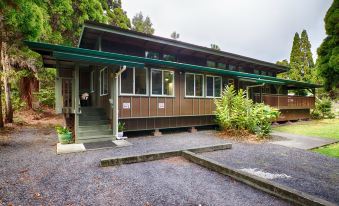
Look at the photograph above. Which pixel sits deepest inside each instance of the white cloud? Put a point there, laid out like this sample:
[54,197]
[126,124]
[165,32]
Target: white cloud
[262,29]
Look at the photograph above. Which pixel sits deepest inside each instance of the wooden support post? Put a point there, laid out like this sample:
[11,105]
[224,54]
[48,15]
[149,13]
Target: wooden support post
[76,100]
[115,106]
[192,130]
[157,133]
[58,91]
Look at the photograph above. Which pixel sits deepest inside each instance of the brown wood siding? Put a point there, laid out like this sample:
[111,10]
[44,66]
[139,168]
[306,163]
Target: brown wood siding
[148,106]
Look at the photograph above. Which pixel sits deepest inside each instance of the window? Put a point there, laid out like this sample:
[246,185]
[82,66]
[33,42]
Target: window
[194,84]
[263,73]
[152,55]
[92,82]
[169,57]
[162,82]
[270,74]
[133,81]
[256,71]
[221,66]
[211,63]
[231,67]
[103,81]
[213,86]
[241,69]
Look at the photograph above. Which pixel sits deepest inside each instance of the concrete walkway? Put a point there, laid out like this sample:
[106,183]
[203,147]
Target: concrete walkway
[299,141]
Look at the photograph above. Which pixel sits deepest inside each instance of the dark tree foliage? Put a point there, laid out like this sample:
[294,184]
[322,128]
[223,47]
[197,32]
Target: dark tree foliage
[328,52]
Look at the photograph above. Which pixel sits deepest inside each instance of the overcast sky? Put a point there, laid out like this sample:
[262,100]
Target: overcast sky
[262,29]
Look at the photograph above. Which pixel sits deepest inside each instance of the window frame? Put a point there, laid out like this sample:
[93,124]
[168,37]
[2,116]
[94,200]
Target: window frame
[92,90]
[162,83]
[203,86]
[214,76]
[102,90]
[134,94]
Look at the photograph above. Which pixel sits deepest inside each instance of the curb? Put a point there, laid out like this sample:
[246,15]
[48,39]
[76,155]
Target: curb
[112,161]
[283,192]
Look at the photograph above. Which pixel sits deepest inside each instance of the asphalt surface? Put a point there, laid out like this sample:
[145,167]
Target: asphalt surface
[308,171]
[32,174]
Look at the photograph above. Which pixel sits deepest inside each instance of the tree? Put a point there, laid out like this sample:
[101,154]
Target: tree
[307,64]
[116,15]
[215,47]
[175,35]
[296,71]
[17,23]
[286,64]
[328,52]
[142,25]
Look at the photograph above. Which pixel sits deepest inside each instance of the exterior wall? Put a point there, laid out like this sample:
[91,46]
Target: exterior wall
[294,114]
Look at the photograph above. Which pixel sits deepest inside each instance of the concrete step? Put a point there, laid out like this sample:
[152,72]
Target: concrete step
[94,117]
[94,132]
[93,122]
[94,138]
[93,128]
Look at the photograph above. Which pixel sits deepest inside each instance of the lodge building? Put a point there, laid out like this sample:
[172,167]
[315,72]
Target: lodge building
[153,83]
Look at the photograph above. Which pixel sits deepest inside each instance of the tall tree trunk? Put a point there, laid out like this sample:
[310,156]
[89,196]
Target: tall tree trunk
[1,40]
[1,117]
[7,86]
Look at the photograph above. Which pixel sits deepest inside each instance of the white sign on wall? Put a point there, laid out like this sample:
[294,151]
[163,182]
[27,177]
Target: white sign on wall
[126,105]
[161,105]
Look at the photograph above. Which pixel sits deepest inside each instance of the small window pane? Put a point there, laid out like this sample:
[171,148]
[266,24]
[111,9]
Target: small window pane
[221,66]
[189,84]
[152,55]
[168,83]
[199,79]
[209,84]
[217,86]
[269,73]
[127,81]
[256,71]
[263,73]
[140,81]
[156,82]
[168,57]
[231,67]
[211,64]
[241,69]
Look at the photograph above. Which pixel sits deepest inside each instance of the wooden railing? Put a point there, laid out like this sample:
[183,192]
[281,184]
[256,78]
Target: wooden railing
[286,101]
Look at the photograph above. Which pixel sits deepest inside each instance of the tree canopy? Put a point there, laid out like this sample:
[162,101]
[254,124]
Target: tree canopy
[328,52]
[142,25]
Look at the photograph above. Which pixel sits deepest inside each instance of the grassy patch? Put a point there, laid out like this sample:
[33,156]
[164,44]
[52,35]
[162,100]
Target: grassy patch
[327,128]
[330,150]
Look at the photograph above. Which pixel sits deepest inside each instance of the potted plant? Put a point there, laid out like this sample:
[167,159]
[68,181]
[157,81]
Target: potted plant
[64,135]
[121,128]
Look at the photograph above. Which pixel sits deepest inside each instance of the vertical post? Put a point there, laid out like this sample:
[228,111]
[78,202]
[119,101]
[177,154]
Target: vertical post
[115,107]
[76,100]
[58,91]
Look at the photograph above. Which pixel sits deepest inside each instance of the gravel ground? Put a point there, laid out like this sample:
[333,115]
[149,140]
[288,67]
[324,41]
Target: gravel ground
[310,172]
[32,174]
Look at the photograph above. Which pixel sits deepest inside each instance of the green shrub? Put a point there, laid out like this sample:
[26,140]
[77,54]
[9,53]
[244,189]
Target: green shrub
[235,112]
[46,96]
[323,109]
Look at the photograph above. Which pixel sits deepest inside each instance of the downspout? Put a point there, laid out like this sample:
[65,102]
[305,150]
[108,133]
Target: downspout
[115,102]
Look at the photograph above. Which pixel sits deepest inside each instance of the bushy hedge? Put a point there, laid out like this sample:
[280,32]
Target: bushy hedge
[323,109]
[235,112]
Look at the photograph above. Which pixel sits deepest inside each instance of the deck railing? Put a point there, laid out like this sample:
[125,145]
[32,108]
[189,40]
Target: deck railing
[286,101]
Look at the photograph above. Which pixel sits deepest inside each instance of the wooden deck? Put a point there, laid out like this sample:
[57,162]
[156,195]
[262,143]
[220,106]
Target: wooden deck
[286,101]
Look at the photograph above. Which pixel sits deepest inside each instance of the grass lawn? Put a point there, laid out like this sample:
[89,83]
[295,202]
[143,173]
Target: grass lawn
[328,128]
[330,150]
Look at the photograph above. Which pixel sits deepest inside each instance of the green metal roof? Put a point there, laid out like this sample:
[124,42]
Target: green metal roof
[91,59]
[90,55]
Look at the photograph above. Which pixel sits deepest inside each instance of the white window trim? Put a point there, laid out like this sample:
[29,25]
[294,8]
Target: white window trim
[213,86]
[133,94]
[162,83]
[92,82]
[102,92]
[203,86]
